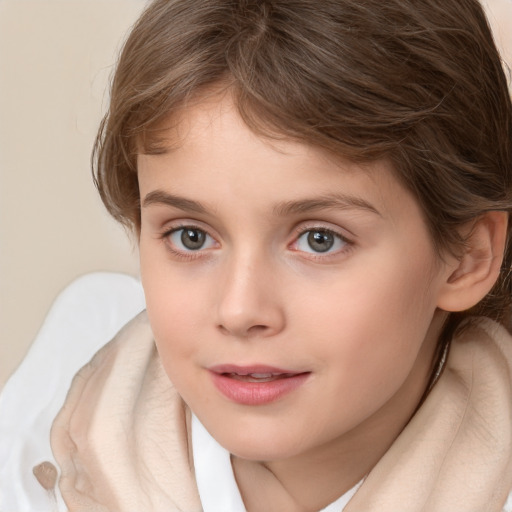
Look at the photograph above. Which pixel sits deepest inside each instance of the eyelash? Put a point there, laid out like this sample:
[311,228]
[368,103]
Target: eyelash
[299,233]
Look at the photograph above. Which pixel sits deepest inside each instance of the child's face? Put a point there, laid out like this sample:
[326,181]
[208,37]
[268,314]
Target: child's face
[272,259]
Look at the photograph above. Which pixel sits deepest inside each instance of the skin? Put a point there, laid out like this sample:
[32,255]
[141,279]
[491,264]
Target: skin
[361,318]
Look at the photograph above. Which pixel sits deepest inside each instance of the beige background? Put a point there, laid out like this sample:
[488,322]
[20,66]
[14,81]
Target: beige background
[55,61]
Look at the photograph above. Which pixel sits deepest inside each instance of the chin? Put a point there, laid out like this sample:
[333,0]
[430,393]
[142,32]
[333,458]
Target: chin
[258,445]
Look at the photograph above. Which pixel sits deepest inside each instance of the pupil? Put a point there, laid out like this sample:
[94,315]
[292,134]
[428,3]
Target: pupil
[192,239]
[320,241]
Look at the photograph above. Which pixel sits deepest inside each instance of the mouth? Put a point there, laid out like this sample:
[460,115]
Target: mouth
[256,385]
[259,377]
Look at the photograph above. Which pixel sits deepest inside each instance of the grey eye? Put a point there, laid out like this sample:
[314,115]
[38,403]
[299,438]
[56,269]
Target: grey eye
[320,241]
[193,239]
[190,239]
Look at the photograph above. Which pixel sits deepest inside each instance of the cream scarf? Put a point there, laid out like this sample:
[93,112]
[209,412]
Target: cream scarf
[122,439]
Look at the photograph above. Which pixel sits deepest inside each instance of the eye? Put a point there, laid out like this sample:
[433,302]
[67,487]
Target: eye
[320,241]
[190,238]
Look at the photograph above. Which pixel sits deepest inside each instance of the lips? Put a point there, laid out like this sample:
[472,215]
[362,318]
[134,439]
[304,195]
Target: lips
[256,384]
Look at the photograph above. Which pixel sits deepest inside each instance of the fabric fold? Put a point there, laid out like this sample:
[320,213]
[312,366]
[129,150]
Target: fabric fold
[455,453]
[122,438]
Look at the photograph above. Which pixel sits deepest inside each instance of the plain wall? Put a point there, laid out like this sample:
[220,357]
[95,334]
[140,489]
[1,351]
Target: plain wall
[55,62]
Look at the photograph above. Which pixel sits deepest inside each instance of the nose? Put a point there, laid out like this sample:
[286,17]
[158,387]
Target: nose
[249,303]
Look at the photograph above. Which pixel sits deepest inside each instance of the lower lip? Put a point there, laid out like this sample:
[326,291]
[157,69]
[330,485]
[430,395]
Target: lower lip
[257,393]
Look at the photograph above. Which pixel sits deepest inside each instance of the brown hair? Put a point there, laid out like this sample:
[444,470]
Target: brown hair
[419,82]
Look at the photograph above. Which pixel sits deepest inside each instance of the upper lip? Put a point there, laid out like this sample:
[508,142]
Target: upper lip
[251,369]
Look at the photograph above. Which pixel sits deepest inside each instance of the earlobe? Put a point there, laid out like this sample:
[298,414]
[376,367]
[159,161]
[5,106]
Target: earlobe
[472,276]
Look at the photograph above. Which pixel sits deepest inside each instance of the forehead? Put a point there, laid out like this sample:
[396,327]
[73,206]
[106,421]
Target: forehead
[208,152]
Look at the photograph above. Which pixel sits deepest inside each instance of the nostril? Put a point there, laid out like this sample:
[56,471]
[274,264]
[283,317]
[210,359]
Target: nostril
[253,330]
[256,329]
[223,329]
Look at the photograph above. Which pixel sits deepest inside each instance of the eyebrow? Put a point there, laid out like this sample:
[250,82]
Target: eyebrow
[163,198]
[340,201]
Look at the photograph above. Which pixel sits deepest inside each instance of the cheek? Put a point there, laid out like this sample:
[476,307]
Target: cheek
[372,324]
[175,317]
[176,328]
[173,307]
[371,301]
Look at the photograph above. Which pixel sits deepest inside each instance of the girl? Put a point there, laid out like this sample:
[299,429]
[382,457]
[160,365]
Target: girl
[321,193]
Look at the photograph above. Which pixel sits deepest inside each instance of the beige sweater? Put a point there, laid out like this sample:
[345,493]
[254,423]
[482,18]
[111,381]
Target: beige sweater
[122,439]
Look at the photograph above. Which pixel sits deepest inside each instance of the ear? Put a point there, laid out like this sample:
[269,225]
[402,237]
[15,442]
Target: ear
[471,277]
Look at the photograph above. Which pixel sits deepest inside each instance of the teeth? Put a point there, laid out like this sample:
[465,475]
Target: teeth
[257,377]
